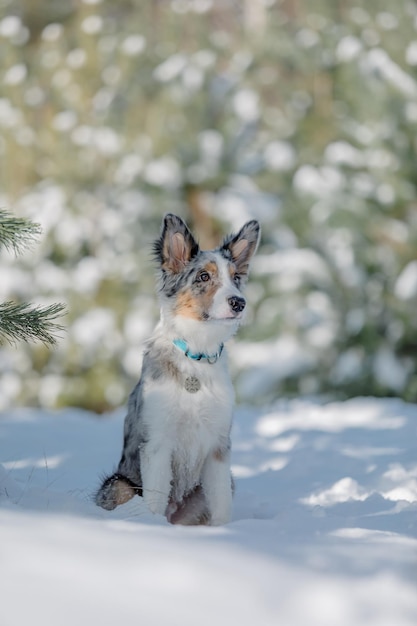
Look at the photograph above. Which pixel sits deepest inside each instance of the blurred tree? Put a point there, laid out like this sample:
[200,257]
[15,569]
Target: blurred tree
[303,115]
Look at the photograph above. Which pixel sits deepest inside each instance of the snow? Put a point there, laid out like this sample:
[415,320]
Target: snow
[348,49]
[94,327]
[320,182]
[343,153]
[107,141]
[170,68]
[388,369]
[292,266]
[92,24]
[411,53]
[52,32]
[76,58]
[265,364]
[379,61]
[133,45]
[279,156]
[406,284]
[246,105]
[64,121]
[211,145]
[163,172]
[15,74]
[307,38]
[324,527]
[10,26]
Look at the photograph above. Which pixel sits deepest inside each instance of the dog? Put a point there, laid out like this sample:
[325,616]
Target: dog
[176,451]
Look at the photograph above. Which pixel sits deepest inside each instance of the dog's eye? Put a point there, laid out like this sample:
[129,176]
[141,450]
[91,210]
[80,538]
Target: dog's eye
[203,277]
[236,279]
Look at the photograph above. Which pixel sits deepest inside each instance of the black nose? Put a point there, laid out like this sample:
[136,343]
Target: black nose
[237,304]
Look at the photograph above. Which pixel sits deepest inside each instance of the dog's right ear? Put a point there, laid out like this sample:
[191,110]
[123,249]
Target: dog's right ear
[176,245]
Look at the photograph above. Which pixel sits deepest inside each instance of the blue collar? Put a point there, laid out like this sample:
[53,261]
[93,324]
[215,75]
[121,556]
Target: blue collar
[213,358]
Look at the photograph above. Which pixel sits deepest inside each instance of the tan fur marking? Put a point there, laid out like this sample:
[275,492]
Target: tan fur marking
[175,252]
[171,369]
[187,306]
[239,247]
[212,268]
[165,254]
[219,454]
[123,492]
[192,306]
[161,366]
[232,270]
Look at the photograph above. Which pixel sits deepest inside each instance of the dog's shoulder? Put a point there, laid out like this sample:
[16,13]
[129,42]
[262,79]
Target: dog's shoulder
[159,362]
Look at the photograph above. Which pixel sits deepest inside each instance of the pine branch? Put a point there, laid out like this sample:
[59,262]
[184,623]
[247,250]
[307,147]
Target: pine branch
[27,322]
[17,233]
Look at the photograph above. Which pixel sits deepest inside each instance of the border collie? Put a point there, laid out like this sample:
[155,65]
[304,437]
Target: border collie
[176,451]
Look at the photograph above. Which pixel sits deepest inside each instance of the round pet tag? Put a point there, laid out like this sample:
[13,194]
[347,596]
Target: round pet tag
[192,384]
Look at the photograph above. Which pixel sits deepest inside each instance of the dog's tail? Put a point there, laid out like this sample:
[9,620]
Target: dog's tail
[116,489]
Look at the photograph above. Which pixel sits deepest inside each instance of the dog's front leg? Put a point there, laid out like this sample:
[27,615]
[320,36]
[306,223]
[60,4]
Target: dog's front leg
[217,486]
[155,465]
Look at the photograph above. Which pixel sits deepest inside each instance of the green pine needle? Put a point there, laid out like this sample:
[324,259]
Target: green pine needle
[27,322]
[17,233]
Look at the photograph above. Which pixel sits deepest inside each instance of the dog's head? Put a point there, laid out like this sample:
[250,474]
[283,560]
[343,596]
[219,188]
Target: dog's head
[205,286]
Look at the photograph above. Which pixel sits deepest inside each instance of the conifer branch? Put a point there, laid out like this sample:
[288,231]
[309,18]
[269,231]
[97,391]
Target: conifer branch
[17,233]
[27,322]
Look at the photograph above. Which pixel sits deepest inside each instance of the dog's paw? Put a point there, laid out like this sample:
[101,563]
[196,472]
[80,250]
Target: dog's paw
[115,490]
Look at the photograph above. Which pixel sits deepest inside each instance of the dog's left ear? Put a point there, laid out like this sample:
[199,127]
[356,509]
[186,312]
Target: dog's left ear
[241,247]
[176,245]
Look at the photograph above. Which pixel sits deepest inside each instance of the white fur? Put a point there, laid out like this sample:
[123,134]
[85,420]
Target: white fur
[220,308]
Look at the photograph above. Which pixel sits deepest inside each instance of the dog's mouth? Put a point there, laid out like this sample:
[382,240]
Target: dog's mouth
[228,318]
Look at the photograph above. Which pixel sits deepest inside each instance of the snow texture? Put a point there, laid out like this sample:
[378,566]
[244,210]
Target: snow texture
[324,529]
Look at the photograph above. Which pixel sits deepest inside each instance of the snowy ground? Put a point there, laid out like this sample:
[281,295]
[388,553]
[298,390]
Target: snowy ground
[324,530]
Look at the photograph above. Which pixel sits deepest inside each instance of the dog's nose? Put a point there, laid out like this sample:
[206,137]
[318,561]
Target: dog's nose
[237,304]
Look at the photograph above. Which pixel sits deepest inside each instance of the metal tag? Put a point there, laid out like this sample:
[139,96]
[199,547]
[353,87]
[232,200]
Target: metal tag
[192,384]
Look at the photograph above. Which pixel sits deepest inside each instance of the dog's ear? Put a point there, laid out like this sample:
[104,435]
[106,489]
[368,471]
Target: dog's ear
[176,245]
[241,247]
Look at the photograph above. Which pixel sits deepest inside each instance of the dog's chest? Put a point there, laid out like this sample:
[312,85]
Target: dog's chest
[189,426]
[191,402]
[194,408]
[200,424]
